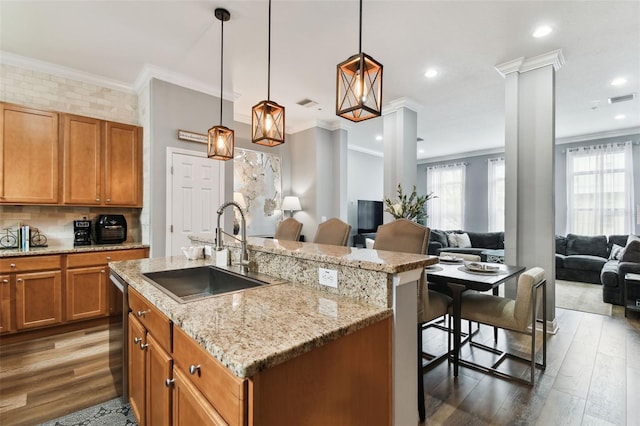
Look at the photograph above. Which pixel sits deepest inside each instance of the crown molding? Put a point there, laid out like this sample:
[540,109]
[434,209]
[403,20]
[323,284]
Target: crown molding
[460,155]
[364,150]
[12,59]
[522,64]
[404,102]
[150,71]
[599,135]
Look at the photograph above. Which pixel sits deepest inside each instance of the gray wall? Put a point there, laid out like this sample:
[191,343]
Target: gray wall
[365,182]
[477,190]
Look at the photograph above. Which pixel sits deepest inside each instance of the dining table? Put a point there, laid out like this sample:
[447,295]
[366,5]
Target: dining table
[459,278]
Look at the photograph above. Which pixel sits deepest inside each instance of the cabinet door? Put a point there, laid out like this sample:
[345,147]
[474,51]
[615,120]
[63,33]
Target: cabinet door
[123,165]
[5,304]
[86,291]
[190,407]
[29,153]
[38,299]
[137,337]
[82,181]
[159,365]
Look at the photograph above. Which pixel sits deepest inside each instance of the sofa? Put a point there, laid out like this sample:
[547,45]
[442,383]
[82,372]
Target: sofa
[592,259]
[480,242]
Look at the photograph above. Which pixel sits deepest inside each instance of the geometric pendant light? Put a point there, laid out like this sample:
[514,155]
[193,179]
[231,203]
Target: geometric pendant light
[359,85]
[220,141]
[267,117]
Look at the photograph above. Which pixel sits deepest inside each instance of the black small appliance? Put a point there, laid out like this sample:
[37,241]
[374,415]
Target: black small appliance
[110,229]
[82,232]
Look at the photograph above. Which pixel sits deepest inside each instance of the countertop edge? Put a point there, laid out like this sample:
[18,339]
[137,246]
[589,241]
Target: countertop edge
[64,249]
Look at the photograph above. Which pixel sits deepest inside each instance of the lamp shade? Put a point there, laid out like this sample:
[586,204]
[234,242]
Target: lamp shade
[267,123]
[220,143]
[359,88]
[291,203]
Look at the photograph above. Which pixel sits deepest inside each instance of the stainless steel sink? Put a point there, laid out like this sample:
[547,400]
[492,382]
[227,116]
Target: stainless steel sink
[187,285]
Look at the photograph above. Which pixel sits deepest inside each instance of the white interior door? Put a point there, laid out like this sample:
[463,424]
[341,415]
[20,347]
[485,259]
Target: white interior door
[197,190]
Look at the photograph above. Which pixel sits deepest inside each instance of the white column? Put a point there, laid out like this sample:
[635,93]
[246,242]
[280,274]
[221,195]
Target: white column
[405,347]
[529,165]
[400,145]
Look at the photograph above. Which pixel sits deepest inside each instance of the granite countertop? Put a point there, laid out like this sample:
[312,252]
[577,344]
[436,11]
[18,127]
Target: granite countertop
[257,328]
[62,248]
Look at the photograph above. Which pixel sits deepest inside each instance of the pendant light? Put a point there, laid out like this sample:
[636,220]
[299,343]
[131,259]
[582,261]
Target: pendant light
[359,85]
[220,143]
[267,117]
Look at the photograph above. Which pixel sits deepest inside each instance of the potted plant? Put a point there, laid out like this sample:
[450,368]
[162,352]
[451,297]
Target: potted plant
[411,207]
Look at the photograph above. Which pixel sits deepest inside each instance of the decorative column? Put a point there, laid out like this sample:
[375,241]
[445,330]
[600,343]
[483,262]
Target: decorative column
[400,147]
[529,167]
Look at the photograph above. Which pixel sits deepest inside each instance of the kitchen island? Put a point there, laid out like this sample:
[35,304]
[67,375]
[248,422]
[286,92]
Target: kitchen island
[301,347]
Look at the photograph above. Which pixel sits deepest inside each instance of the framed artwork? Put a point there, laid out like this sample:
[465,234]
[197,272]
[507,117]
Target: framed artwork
[257,186]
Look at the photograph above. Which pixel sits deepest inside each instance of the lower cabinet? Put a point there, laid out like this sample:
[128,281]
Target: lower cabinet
[38,299]
[6,307]
[137,369]
[190,407]
[86,293]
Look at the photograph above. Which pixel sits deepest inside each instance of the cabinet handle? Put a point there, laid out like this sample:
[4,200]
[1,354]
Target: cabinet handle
[108,257]
[193,369]
[143,346]
[13,265]
[137,340]
[140,314]
[108,200]
[103,271]
[5,281]
[169,382]
[97,200]
[19,280]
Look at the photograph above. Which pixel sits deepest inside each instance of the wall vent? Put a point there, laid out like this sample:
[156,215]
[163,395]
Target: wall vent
[307,103]
[623,98]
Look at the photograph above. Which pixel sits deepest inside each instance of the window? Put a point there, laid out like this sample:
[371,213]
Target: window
[496,194]
[600,189]
[447,182]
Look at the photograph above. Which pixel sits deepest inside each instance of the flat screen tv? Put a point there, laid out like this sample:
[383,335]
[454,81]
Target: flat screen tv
[369,216]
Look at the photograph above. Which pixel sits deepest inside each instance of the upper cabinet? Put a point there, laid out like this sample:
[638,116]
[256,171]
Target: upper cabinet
[102,162]
[29,155]
[93,162]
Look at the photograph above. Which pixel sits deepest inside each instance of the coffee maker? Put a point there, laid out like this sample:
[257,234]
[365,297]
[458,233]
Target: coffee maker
[82,232]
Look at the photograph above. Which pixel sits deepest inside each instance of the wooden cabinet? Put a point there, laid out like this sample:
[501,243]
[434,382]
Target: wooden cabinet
[29,155]
[102,162]
[82,183]
[150,362]
[123,165]
[6,307]
[190,407]
[87,290]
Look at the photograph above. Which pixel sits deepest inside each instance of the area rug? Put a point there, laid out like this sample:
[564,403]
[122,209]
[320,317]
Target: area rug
[583,297]
[110,413]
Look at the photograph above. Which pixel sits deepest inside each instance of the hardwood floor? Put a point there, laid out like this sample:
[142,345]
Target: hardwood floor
[53,376]
[592,378]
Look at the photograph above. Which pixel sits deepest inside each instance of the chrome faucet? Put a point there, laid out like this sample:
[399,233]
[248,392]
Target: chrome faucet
[244,254]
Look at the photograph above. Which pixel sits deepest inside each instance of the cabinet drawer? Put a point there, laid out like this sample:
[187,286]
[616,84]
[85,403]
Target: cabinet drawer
[99,258]
[151,318]
[225,391]
[30,263]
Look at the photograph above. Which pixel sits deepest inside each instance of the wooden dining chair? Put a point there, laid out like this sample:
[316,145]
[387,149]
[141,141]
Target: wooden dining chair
[517,315]
[289,229]
[409,237]
[333,231]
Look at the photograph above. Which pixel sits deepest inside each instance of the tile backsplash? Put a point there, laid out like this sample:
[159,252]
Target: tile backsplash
[56,223]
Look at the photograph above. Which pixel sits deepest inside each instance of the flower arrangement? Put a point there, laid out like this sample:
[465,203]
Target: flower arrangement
[410,207]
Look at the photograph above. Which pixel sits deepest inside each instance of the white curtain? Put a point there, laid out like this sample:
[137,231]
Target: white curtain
[600,190]
[447,182]
[495,204]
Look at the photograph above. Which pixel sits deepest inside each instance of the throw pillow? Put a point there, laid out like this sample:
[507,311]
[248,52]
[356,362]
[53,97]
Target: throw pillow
[369,242]
[631,252]
[453,241]
[632,237]
[616,252]
[463,240]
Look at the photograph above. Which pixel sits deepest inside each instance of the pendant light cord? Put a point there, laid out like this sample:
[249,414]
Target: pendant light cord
[269,58]
[221,66]
[360,38]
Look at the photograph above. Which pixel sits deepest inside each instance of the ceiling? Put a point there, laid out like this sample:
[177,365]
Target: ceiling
[461,110]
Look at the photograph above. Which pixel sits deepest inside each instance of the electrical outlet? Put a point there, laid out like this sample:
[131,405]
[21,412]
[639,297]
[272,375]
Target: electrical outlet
[328,277]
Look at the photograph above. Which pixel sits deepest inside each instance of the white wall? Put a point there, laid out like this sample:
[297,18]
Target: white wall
[365,182]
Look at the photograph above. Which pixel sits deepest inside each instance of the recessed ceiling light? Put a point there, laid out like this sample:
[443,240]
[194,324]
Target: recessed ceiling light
[379,137]
[619,81]
[542,31]
[431,72]
[620,117]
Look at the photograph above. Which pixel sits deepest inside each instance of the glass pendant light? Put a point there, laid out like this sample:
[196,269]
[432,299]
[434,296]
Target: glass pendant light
[220,143]
[359,85]
[267,117]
